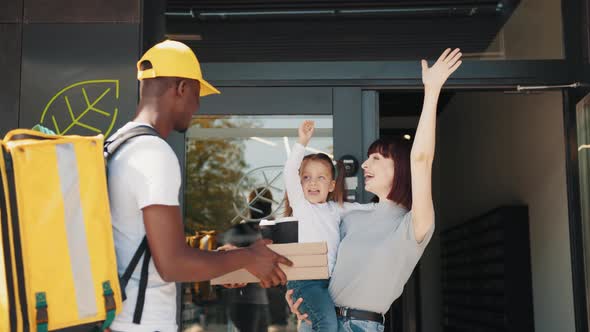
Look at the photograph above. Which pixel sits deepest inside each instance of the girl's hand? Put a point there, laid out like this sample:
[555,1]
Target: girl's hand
[306,131]
[437,75]
[294,306]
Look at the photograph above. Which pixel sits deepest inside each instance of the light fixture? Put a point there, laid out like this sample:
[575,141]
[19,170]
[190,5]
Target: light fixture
[261,140]
[265,13]
[408,137]
[470,9]
[184,36]
[287,147]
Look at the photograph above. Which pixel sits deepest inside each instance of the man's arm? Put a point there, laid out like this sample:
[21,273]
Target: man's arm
[177,262]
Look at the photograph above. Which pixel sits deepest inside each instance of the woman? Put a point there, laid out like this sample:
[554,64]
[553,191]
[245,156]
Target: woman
[380,247]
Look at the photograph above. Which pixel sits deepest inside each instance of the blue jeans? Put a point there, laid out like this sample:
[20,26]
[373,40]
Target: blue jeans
[353,325]
[350,325]
[317,304]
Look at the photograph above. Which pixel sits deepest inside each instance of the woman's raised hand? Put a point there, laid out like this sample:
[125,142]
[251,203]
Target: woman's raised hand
[306,132]
[437,75]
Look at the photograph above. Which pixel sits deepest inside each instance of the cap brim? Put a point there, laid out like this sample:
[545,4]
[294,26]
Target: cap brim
[207,89]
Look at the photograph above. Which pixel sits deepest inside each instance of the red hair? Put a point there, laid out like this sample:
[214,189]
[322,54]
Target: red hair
[399,151]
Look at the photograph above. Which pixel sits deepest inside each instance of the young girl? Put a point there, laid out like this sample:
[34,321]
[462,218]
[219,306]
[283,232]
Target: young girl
[315,196]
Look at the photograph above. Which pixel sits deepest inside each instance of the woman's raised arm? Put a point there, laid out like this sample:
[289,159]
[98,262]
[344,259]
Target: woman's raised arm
[422,154]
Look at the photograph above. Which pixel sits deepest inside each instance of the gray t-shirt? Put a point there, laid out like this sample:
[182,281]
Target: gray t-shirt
[376,257]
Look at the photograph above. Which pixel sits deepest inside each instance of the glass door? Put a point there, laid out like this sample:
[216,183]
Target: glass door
[583,132]
[233,180]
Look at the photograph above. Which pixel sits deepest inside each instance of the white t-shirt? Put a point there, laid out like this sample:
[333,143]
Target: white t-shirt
[143,172]
[317,222]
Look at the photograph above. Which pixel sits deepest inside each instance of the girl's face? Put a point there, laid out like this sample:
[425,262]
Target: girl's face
[316,181]
[379,173]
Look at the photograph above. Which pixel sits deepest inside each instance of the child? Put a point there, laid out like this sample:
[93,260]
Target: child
[315,196]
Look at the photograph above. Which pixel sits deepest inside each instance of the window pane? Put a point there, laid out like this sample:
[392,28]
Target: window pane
[583,130]
[533,31]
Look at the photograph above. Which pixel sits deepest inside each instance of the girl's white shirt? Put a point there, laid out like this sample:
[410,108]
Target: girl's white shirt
[318,222]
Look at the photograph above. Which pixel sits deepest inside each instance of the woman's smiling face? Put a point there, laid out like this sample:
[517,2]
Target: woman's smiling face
[379,172]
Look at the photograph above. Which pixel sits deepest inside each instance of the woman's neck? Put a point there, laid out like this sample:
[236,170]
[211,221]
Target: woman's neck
[383,198]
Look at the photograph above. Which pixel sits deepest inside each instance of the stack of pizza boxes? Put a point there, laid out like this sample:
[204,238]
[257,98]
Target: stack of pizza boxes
[310,260]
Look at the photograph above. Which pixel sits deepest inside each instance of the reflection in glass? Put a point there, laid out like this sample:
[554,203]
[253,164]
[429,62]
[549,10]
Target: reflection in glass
[583,130]
[532,31]
[233,180]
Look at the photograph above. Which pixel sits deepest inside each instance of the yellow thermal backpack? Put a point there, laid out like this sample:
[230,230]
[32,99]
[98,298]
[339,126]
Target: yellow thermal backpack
[58,267]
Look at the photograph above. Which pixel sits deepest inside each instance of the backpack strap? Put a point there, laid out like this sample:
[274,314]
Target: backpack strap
[142,286]
[142,250]
[110,148]
[124,279]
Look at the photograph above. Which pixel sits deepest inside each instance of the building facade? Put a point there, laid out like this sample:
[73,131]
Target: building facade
[512,124]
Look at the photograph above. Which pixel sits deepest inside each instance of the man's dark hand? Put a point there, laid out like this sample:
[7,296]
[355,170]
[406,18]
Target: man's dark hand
[266,264]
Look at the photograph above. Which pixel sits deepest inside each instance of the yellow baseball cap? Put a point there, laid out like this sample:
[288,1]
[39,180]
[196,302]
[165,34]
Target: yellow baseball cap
[174,59]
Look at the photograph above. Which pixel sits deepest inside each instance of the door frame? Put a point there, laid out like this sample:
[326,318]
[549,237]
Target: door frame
[571,97]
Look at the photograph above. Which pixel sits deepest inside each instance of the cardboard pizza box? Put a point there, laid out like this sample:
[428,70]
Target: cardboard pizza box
[310,262]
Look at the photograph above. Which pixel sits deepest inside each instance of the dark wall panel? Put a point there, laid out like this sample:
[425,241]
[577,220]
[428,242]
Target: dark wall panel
[153,23]
[82,82]
[269,101]
[376,39]
[332,30]
[87,11]
[10,37]
[11,11]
